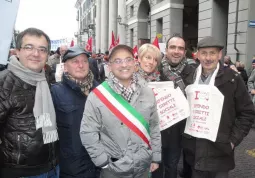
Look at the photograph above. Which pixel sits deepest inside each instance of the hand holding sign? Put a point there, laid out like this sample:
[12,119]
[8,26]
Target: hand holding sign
[172,106]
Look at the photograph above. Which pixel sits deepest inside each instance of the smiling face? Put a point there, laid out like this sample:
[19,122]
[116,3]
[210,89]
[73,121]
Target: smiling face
[209,58]
[148,61]
[122,66]
[32,54]
[175,50]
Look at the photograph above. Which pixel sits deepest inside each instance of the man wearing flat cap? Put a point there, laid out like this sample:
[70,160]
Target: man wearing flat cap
[214,158]
[69,97]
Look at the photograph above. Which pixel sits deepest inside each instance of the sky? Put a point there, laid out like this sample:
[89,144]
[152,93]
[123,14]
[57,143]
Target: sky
[57,18]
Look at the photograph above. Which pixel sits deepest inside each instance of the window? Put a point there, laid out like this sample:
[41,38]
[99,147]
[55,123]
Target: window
[159,27]
[131,38]
[132,11]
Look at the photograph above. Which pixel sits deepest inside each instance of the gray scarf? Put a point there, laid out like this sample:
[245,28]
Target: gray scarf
[43,110]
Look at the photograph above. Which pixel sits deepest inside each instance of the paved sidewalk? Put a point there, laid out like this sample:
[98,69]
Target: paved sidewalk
[244,158]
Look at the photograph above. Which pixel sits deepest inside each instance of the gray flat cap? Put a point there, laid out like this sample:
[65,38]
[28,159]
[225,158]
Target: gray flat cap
[73,52]
[208,42]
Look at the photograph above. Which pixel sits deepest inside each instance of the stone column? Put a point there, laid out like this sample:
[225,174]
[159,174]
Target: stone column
[113,5]
[98,26]
[104,25]
[122,28]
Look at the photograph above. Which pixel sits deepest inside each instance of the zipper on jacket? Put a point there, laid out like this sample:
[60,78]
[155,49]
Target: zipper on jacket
[18,139]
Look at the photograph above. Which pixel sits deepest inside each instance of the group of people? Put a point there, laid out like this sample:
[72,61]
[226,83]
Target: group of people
[85,128]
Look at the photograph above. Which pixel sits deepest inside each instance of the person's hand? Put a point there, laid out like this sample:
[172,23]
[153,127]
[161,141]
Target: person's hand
[234,68]
[154,166]
[253,92]
[232,145]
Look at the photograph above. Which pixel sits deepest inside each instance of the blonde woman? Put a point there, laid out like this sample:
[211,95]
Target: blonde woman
[149,57]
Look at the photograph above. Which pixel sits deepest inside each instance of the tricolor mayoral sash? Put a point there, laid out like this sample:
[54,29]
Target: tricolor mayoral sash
[123,111]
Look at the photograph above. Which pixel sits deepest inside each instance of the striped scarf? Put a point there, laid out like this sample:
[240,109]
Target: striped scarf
[126,93]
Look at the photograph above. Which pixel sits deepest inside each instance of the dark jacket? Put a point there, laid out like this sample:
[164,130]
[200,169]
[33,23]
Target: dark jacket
[187,76]
[243,74]
[49,74]
[236,120]
[22,152]
[2,67]
[69,102]
[94,68]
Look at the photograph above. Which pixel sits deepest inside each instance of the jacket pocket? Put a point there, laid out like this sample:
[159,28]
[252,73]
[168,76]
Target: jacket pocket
[145,156]
[219,149]
[124,166]
[66,114]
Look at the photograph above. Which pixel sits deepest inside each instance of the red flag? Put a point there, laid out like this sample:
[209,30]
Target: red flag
[72,43]
[89,45]
[117,41]
[113,41]
[155,42]
[135,51]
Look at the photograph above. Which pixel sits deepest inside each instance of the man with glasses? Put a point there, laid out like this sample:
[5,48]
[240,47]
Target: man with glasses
[27,116]
[120,127]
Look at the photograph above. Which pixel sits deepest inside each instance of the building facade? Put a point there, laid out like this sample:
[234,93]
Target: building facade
[86,16]
[140,21]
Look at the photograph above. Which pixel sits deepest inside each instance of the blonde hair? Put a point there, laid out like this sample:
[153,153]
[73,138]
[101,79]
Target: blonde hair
[239,64]
[149,47]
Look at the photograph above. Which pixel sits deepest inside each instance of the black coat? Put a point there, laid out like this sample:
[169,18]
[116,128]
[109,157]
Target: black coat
[187,76]
[22,152]
[69,102]
[236,120]
[94,68]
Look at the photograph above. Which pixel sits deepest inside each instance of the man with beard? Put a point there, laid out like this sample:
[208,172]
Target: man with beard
[69,97]
[174,68]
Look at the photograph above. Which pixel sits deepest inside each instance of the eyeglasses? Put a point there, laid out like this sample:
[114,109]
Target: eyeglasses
[31,48]
[118,61]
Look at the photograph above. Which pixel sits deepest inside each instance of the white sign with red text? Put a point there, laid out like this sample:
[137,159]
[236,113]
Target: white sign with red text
[206,103]
[172,105]
[59,70]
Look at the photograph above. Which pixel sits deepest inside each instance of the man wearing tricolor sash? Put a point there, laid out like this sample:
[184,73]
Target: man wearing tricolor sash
[120,127]
[222,114]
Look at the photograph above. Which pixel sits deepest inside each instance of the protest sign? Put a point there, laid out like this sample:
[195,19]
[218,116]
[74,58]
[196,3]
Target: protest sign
[206,103]
[172,106]
[59,71]
[8,14]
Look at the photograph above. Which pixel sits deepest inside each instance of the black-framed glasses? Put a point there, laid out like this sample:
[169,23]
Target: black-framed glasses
[31,48]
[118,61]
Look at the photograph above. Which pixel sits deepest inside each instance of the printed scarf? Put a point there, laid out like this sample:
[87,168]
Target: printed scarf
[174,73]
[85,85]
[126,93]
[151,77]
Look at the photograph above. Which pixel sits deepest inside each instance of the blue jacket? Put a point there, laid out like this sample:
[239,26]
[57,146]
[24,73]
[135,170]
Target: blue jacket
[69,102]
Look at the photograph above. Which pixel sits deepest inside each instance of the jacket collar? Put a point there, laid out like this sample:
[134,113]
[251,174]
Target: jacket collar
[224,75]
[74,86]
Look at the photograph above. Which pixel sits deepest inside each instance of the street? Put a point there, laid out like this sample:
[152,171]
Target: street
[245,158]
